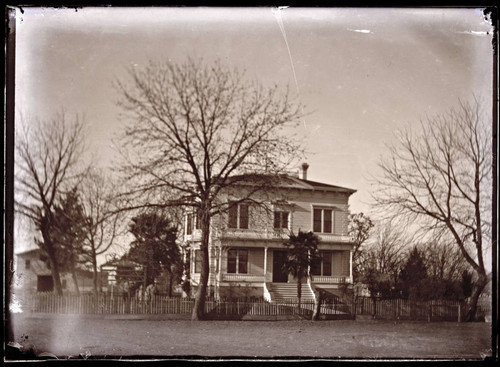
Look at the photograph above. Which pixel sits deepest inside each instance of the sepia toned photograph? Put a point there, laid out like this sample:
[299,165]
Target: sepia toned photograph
[250,183]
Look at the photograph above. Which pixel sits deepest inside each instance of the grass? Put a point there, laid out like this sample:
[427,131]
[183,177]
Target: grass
[69,336]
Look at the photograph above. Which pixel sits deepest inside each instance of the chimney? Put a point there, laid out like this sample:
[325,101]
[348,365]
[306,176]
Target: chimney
[304,167]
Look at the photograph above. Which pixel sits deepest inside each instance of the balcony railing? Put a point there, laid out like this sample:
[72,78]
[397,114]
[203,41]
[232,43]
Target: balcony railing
[242,278]
[331,279]
[250,234]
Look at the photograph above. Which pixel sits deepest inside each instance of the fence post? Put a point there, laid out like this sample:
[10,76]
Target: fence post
[459,312]
[430,312]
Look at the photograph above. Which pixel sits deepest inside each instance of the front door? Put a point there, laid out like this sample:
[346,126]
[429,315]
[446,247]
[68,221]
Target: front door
[279,275]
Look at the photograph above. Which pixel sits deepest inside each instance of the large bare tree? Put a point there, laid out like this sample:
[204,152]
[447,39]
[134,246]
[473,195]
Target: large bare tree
[47,164]
[441,178]
[198,129]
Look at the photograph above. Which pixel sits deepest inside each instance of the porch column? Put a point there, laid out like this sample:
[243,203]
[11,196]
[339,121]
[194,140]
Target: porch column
[350,266]
[265,263]
[217,271]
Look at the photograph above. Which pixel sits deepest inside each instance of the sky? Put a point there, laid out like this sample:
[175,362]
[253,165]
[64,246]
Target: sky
[361,73]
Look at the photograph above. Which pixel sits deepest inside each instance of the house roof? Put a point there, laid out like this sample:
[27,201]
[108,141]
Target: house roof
[28,252]
[288,181]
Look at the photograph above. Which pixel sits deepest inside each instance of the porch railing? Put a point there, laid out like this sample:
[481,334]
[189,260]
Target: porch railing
[331,279]
[243,277]
[265,234]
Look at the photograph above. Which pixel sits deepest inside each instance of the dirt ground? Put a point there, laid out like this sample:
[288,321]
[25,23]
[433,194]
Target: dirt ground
[70,336]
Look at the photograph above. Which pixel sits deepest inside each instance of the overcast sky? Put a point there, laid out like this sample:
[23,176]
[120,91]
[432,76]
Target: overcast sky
[361,73]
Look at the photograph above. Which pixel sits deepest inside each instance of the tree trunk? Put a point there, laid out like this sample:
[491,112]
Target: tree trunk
[54,269]
[317,306]
[170,283]
[478,289]
[201,293]
[54,266]
[75,279]
[299,293]
[95,280]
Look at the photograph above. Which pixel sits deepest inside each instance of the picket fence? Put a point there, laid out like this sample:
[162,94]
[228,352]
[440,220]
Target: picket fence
[406,309]
[105,304]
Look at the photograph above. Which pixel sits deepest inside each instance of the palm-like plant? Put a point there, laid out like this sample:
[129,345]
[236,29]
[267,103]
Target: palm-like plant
[302,254]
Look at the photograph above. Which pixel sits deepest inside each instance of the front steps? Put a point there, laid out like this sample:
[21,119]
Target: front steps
[288,291]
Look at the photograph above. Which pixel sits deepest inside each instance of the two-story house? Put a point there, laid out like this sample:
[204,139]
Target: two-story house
[246,250]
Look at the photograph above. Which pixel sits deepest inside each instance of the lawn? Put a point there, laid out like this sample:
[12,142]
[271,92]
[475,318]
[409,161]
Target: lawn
[101,337]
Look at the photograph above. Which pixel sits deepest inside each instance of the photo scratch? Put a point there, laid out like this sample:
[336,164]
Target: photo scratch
[279,19]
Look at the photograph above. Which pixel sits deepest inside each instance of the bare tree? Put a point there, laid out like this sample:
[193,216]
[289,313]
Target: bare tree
[104,223]
[441,179]
[444,260]
[384,252]
[47,163]
[381,259]
[198,130]
[359,229]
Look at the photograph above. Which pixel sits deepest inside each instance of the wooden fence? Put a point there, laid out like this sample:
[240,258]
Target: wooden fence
[106,304]
[404,309]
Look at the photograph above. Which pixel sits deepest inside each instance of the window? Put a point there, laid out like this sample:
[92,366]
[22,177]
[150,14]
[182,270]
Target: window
[193,221]
[27,264]
[237,261]
[323,220]
[324,265]
[280,219]
[238,216]
[45,283]
[197,261]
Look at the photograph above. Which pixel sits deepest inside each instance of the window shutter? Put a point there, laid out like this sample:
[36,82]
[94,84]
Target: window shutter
[233,216]
[346,268]
[284,221]
[277,223]
[327,221]
[231,261]
[317,220]
[243,216]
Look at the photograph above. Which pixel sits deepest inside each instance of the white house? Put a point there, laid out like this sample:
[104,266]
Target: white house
[246,250]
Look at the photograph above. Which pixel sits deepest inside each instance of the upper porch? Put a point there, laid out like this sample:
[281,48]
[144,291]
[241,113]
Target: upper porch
[262,235]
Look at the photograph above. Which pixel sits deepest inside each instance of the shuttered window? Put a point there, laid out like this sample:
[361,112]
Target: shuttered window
[324,265]
[237,261]
[281,220]
[323,220]
[238,216]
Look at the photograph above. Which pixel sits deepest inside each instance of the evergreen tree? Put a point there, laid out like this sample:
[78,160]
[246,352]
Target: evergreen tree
[413,275]
[155,246]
